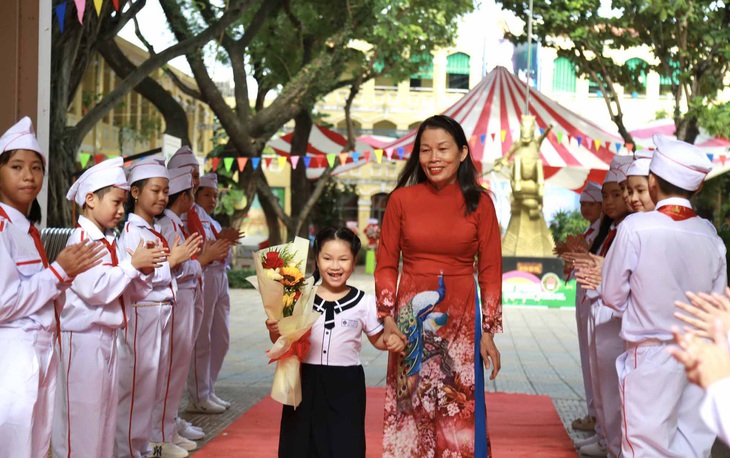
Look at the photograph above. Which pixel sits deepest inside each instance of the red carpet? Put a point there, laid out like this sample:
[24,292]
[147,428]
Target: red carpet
[520,425]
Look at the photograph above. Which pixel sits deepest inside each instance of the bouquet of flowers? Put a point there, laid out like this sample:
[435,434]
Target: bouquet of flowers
[288,298]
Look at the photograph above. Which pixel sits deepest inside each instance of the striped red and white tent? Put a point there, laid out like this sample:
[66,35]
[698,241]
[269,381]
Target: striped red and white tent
[577,150]
[324,142]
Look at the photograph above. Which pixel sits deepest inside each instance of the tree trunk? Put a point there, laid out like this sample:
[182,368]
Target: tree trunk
[272,221]
[687,128]
[354,89]
[300,186]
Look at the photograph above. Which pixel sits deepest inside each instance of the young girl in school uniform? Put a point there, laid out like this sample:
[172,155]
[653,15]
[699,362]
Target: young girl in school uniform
[330,421]
[143,353]
[29,286]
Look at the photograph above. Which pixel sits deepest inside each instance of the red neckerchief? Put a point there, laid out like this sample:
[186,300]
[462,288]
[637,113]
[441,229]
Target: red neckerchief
[607,243]
[36,236]
[194,222]
[677,212]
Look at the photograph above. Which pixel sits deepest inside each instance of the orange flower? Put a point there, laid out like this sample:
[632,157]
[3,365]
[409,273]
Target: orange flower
[292,276]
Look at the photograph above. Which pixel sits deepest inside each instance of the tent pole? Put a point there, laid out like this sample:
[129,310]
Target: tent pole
[529,59]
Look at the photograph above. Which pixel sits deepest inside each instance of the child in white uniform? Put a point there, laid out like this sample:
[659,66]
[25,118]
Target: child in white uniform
[143,358]
[659,256]
[29,287]
[330,421]
[86,395]
[188,276]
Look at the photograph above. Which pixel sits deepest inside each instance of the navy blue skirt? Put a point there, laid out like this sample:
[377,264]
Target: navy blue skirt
[330,421]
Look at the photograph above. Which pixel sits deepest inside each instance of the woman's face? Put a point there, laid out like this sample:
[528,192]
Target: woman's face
[614,205]
[21,179]
[440,156]
[639,194]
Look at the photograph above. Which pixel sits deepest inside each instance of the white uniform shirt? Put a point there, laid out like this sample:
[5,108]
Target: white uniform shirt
[341,345]
[27,289]
[594,295]
[217,226]
[653,262]
[95,297]
[164,287]
[189,272]
[715,409]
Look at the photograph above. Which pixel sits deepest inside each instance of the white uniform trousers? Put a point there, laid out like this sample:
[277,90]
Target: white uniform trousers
[582,317]
[29,364]
[605,346]
[85,416]
[200,385]
[219,332]
[661,408]
[178,362]
[140,355]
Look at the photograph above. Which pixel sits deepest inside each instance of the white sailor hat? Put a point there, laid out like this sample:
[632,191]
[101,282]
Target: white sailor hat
[148,167]
[679,163]
[107,173]
[640,166]
[184,157]
[180,180]
[21,136]
[209,180]
[591,193]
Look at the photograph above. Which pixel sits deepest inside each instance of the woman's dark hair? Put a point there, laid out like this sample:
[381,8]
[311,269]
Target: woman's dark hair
[334,233]
[466,175]
[173,197]
[129,204]
[36,214]
[603,231]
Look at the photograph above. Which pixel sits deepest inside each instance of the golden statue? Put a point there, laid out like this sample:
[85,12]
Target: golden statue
[527,233]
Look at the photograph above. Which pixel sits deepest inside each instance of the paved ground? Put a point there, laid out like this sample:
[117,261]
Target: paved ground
[539,356]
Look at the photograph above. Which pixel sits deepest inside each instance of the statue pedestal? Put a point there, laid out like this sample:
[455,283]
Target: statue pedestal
[526,236]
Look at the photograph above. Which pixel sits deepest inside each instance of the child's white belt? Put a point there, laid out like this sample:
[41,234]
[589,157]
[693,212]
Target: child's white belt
[648,343]
[151,304]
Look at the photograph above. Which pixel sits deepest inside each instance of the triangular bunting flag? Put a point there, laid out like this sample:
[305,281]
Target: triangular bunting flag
[116,5]
[282,162]
[84,159]
[570,139]
[267,161]
[255,162]
[597,143]
[331,160]
[493,135]
[401,151]
[723,158]
[618,147]
[710,156]
[366,155]
[355,156]
[560,137]
[235,176]
[98,158]
[579,139]
[307,161]
[215,161]
[639,147]
[241,163]
[228,163]
[343,158]
[503,135]
[80,7]
[294,161]
[482,138]
[389,153]
[97,5]
[61,16]
[630,146]
[542,131]
[378,155]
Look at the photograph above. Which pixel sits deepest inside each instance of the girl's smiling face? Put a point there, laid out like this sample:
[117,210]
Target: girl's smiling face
[152,199]
[639,194]
[335,263]
[21,179]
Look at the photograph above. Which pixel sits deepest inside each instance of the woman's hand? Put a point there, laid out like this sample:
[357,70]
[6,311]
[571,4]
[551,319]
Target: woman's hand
[490,354]
[273,327]
[391,334]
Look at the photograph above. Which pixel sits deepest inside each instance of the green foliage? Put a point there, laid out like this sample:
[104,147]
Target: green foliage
[328,210]
[715,119]
[237,278]
[566,223]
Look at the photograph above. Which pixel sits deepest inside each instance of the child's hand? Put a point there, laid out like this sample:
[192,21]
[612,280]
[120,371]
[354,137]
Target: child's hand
[214,251]
[394,344]
[147,258]
[272,326]
[230,234]
[78,258]
[181,253]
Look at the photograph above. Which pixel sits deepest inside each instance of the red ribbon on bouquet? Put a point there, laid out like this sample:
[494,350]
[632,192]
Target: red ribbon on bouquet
[299,348]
